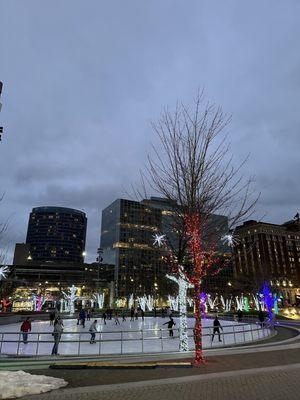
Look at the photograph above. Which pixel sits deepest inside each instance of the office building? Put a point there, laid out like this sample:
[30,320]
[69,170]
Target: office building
[269,252]
[56,234]
[127,232]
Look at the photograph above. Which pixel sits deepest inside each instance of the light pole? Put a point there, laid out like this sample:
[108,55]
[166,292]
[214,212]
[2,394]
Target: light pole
[99,260]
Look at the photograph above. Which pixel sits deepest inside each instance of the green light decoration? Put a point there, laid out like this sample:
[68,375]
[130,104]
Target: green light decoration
[246,304]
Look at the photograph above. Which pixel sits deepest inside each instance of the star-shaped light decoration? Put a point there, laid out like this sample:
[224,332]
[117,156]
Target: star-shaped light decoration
[229,239]
[4,270]
[158,239]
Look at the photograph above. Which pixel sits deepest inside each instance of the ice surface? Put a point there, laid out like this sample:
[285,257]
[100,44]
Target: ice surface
[128,337]
[19,383]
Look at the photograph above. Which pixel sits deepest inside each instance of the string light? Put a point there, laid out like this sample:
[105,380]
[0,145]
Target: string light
[4,270]
[159,240]
[183,285]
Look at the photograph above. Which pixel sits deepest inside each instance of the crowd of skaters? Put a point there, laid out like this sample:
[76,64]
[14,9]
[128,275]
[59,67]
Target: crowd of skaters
[111,315]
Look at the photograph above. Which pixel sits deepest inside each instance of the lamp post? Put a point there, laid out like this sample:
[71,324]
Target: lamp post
[99,260]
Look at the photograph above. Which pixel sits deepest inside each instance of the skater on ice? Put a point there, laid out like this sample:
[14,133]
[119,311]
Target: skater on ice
[93,330]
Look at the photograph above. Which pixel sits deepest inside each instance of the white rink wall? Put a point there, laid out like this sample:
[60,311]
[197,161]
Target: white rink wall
[139,336]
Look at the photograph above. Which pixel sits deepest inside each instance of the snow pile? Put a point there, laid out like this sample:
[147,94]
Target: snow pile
[19,383]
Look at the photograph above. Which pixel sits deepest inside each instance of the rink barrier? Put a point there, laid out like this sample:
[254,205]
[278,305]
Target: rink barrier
[263,331]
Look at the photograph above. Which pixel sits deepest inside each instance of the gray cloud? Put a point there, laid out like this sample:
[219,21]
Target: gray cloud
[82,81]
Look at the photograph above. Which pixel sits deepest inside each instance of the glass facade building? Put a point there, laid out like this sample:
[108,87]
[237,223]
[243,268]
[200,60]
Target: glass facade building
[56,234]
[127,236]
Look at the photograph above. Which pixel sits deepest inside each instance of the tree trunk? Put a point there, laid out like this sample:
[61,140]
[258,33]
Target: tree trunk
[183,330]
[199,359]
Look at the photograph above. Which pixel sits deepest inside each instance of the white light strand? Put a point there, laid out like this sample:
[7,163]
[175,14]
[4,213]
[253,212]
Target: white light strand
[149,302]
[142,302]
[229,239]
[211,303]
[226,303]
[159,240]
[131,301]
[99,297]
[4,270]
[173,302]
[183,285]
[70,298]
[239,303]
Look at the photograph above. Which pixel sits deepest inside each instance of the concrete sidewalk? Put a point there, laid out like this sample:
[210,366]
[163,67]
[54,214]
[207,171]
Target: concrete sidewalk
[274,383]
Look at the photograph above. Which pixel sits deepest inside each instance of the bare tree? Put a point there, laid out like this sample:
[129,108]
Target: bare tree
[193,168]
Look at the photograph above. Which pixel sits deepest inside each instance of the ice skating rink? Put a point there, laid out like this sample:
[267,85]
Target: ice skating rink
[138,336]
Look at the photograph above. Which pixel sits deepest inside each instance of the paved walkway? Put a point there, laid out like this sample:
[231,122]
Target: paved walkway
[266,371]
[272,383]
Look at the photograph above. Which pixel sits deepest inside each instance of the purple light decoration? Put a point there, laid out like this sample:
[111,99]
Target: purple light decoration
[268,299]
[203,300]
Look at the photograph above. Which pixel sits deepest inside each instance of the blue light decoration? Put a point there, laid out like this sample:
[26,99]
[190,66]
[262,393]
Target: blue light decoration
[268,299]
[203,300]
[276,311]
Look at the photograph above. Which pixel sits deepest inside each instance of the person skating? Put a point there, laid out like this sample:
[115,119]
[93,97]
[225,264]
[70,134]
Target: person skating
[57,332]
[261,317]
[123,316]
[143,315]
[25,328]
[109,313]
[88,315]
[154,310]
[104,316]
[93,330]
[117,322]
[239,315]
[82,317]
[136,314]
[217,327]
[170,324]
[52,318]
[132,314]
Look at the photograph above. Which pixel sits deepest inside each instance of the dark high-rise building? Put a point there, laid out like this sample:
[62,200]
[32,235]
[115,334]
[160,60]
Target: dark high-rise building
[56,234]
[127,232]
[127,242]
[269,252]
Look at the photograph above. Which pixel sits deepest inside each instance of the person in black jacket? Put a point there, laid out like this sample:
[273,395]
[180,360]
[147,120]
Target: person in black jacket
[170,324]
[217,327]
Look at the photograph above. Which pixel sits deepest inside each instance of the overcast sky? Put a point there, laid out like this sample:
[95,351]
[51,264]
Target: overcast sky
[84,79]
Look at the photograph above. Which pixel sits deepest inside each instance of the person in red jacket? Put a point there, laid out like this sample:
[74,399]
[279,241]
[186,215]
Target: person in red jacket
[25,328]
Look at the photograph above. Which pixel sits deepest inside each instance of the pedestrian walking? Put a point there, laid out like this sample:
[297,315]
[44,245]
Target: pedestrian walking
[216,329]
[52,318]
[82,317]
[57,332]
[25,328]
[123,315]
[93,330]
[132,314]
[136,314]
[170,324]
[117,322]
[104,316]
[143,315]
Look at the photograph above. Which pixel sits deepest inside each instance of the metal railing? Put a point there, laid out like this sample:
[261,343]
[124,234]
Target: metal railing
[126,342]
